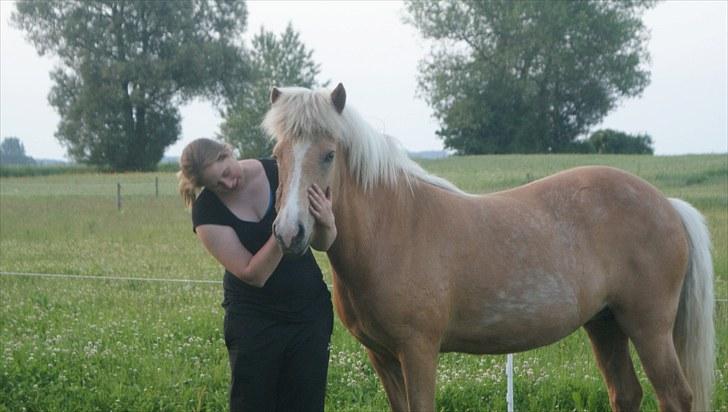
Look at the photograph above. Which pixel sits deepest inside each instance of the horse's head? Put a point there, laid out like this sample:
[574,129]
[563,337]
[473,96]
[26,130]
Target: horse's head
[304,125]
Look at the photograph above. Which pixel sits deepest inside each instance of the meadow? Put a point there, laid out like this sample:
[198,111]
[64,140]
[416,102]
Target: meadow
[108,344]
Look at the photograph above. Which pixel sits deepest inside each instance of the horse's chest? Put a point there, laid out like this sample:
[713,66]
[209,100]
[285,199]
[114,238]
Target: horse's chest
[369,320]
[358,324]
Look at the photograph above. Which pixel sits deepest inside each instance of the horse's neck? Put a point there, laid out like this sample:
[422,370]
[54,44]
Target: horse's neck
[370,224]
[358,212]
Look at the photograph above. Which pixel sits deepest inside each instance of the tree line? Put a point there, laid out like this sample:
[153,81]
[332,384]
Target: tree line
[502,77]
[12,152]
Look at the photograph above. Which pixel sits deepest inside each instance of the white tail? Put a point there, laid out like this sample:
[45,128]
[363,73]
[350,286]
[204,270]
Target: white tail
[694,333]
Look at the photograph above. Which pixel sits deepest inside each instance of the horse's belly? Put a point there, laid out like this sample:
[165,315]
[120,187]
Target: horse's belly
[506,336]
[520,316]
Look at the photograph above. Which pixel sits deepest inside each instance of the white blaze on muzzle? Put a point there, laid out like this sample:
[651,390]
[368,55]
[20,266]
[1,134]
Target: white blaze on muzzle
[292,218]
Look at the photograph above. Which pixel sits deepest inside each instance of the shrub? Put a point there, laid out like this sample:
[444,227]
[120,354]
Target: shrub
[608,141]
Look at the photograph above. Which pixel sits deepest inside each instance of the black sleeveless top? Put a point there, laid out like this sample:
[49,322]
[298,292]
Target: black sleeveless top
[295,291]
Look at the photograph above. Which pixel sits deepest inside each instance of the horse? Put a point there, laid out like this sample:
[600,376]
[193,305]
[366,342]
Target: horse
[421,267]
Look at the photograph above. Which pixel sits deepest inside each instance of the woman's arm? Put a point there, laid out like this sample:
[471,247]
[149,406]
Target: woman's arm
[320,207]
[223,244]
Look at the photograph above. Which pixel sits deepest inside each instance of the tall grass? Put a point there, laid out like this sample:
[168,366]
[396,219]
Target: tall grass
[86,345]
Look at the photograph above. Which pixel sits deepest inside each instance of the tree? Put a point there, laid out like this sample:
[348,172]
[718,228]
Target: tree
[613,141]
[12,152]
[125,67]
[527,76]
[275,60]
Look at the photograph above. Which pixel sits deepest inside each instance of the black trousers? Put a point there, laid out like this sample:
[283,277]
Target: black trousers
[277,366]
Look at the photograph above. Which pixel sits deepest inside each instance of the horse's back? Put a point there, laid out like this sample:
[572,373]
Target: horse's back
[592,196]
[599,181]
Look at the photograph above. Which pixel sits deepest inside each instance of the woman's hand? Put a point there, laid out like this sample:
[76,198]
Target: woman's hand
[320,208]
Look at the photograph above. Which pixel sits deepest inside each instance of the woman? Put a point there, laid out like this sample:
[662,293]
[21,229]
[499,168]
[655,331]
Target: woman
[278,314]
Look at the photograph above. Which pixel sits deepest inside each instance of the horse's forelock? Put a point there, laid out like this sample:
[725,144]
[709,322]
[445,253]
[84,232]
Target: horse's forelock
[301,114]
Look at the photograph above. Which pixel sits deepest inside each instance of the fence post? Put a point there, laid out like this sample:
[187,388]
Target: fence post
[156,186]
[509,374]
[118,196]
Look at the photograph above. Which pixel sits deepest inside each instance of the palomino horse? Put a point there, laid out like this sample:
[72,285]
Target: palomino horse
[420,267]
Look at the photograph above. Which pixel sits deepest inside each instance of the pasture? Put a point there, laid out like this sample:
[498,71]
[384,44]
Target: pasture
[109,344]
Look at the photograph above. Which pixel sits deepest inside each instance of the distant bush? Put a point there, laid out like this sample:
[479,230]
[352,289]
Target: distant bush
[168,167]
[608,141]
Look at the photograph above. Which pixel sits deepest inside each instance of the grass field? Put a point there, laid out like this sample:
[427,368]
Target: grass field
[104,344]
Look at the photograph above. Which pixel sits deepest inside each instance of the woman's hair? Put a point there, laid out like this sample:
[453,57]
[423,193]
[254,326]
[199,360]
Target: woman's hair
[196,156]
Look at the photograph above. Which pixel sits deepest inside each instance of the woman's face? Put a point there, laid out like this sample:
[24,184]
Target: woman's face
[223,176]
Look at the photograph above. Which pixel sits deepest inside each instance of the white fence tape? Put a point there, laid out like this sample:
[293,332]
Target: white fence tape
[97,277]
[127,278]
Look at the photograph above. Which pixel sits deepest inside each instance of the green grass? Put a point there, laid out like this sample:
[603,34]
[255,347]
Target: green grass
[85,345]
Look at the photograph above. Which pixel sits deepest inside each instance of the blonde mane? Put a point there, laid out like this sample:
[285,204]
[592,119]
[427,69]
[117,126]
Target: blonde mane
[373,157]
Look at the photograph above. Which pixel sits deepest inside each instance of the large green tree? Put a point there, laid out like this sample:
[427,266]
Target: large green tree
[528,76]
[125,67]
[275,60]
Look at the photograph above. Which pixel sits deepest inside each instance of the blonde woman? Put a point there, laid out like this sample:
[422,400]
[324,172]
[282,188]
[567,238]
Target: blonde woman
[278,313]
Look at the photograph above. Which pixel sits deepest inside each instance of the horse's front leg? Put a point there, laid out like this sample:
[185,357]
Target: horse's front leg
[419,367]
[390,373]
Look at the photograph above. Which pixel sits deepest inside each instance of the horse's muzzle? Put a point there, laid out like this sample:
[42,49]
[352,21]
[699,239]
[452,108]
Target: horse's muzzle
[295,245]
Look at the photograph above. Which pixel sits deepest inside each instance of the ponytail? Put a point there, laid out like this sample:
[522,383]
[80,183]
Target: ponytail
[187,189]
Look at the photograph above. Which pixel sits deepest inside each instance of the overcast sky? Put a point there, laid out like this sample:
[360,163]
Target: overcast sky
[366,46]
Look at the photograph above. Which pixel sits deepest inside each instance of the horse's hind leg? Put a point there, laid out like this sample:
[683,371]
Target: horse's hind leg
[661,364]
[649,324]
[611,348]
[390,373]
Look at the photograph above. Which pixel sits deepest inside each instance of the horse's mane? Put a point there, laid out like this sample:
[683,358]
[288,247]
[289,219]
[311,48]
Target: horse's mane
[374,157]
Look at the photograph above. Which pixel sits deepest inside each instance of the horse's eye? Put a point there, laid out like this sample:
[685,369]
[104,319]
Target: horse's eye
[329,156]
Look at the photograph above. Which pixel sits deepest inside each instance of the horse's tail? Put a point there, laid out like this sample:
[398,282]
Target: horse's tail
[694,333]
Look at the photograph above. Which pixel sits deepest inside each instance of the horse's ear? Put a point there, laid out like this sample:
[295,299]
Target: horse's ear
[274,95]
[338,97]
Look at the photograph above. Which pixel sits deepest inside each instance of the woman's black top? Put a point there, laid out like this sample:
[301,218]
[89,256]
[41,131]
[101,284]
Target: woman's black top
[295,291]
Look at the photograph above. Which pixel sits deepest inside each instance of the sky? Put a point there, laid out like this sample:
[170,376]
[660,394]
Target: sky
[366,46]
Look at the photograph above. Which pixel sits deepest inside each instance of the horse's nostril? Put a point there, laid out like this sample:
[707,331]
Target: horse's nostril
[300,234]
[296,241]
[278,237]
